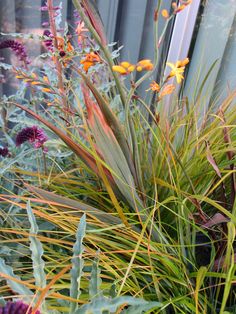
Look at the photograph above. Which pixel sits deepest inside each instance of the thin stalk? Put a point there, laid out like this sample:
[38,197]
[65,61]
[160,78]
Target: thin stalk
[57,62]
[105,50]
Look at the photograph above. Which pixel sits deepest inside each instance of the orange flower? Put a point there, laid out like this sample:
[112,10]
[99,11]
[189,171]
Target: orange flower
[90,60]
[178,69]
[182,6]
[80,30]
[182,63]
[124,68]
[154,87]
[168,89]
[120,69]
[144,64]
[63,46]
[165,14]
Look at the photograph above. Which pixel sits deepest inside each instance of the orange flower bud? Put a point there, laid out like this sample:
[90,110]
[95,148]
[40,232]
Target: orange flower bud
[139,68]
[168,89]
[119,69]
[125,64]
[165,14]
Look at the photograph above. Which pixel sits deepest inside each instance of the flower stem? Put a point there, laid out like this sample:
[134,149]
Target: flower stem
[57,62]
[77,4]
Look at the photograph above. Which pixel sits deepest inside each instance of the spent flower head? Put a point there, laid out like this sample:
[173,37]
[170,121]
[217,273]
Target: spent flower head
[32,134]
[4,152]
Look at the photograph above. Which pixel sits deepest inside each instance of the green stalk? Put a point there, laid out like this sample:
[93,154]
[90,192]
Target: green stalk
[105,50]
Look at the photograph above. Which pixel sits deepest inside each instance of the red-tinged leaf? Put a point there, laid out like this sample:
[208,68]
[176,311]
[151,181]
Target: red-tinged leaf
[95,19]
[86,157]
[212,161]
[230,155]
[219,263]
[93,109]
[67,204]
[216,220]
[113,123]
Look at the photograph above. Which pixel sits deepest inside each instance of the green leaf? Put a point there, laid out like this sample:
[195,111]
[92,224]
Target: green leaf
[77,263]
[95,281]
[36,250]
[15,286]
[73,204]
[101,304]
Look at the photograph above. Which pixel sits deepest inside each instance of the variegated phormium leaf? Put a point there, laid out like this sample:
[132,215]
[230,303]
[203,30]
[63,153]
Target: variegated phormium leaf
[77,263]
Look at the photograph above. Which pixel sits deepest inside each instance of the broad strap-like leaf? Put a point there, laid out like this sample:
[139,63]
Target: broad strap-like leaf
[95,19]
[66,204]
[111,150]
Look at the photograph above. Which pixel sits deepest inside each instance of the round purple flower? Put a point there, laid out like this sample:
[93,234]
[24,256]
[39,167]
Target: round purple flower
[17,47]
[32,134]
[17,307]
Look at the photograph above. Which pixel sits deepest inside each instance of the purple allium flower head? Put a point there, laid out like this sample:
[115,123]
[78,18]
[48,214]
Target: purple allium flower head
[17,47]
[17,307]
[4,152]
[33,135]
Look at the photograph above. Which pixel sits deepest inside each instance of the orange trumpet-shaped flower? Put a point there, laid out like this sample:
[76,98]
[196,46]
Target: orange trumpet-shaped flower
[168,89]
[124,68]
[144,64]
[165,13]
[182,6]
[90,60]
[154,86]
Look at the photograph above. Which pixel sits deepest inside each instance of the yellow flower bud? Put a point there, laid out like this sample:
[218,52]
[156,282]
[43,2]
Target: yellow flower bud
[125,64]
[119,69]
[165,14]
[131,68]
[139,68]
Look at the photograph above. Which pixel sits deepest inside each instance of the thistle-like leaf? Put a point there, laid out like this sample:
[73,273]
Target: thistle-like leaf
[77,263]
[14,284]
[36,250]
[95,281]
[101,304]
